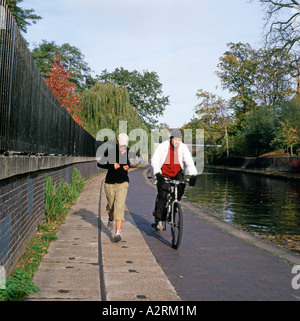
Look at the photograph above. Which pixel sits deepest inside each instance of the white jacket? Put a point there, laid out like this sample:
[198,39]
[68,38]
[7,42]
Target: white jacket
[184,157]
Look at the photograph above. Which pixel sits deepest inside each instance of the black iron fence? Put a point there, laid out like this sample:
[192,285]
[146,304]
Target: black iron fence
[31,119]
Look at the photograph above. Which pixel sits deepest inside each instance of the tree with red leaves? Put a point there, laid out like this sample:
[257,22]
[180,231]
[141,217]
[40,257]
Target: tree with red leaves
[64,91]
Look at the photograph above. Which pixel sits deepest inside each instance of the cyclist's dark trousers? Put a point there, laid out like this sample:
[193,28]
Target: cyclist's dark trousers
[162,192]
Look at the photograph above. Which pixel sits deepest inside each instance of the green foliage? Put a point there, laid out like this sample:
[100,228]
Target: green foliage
[54,200]
[18,286]
[71,57]
[263,112]
[214,114]
[288,133]
[273,78]
[22,16]
[290,114]
[144,89]
[255,77]
[258,132]
[237,68]
[105,105]
[58,200]
[77,186]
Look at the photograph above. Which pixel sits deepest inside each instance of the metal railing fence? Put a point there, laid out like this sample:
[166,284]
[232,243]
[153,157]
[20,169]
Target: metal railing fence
[32,120]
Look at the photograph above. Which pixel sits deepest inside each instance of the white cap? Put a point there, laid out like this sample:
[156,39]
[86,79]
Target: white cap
[123,139]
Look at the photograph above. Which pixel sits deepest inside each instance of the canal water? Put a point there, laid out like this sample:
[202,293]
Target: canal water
[255,203]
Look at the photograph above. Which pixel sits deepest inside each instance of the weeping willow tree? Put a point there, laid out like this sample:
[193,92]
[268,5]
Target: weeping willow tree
[107,104]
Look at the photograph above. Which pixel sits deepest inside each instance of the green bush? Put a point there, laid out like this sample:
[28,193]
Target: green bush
[258,131]
[18,286]
[78,183]
[54,200]
[58,200]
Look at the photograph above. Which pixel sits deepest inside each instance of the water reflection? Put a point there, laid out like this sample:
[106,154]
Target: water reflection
[256,203]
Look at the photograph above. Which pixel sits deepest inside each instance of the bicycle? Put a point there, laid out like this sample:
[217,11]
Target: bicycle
[173,212]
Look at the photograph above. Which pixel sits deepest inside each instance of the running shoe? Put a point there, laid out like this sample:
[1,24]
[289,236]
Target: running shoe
[118,236]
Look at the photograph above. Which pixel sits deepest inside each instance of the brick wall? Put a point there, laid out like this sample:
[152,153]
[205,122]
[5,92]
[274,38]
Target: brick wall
[22,207]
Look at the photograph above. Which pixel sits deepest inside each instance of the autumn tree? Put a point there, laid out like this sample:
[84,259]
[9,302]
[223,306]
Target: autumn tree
[288,133]
[274,77]
[64,91]
[237,69]
[287,137]
[44,55]
[213,114]
[256,77]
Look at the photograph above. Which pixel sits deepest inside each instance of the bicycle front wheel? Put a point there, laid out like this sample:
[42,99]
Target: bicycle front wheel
[177,226]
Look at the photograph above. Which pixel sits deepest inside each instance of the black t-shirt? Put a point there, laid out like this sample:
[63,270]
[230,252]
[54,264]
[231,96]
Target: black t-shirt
[113,175]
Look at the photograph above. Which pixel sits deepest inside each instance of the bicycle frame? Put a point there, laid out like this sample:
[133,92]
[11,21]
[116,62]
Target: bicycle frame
[174,214]
[172,197]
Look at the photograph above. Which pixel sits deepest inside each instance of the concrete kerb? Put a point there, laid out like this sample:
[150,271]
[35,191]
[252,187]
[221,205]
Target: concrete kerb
[265,245]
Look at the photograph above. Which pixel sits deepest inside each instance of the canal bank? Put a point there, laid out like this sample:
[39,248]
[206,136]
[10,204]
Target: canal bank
[273,167]
[268,173]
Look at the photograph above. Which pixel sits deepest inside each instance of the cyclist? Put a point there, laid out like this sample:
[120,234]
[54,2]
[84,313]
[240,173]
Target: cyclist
[172,159]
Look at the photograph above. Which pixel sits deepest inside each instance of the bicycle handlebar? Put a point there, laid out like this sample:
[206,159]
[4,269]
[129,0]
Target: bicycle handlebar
[170,181]
[176,182]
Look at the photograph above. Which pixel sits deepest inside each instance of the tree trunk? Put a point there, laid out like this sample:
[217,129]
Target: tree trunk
[227,142]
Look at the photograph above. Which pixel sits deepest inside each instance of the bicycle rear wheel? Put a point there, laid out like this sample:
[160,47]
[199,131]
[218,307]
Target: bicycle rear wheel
[177,226]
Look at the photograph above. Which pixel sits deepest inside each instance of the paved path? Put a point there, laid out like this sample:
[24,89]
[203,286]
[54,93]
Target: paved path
[84,264]
[214,262]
